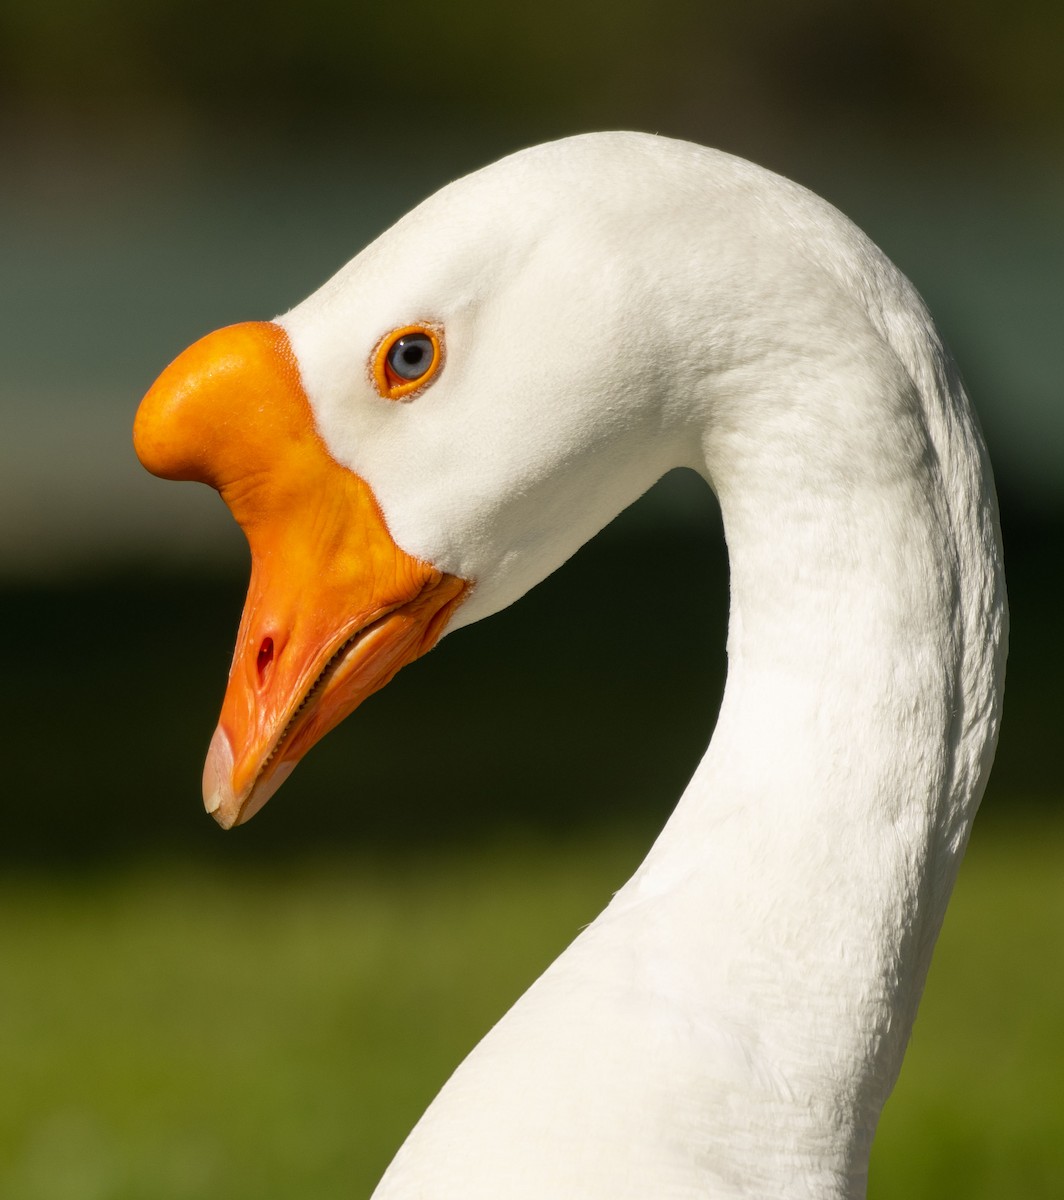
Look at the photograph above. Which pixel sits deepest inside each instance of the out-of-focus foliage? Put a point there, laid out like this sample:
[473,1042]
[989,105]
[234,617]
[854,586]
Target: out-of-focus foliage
[905,65]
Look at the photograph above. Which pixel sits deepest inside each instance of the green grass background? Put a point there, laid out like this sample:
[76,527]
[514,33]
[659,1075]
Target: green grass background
[171,1031]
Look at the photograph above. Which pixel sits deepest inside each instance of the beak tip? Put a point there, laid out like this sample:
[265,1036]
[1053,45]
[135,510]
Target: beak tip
[218,798]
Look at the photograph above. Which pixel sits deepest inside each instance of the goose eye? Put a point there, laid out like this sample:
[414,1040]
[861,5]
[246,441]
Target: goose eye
[411,356]
[406,360]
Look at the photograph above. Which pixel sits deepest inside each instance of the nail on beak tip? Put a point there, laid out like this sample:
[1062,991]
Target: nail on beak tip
[219,800]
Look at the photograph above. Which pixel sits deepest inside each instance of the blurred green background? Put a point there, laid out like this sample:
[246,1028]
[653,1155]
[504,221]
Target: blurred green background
[185,1013]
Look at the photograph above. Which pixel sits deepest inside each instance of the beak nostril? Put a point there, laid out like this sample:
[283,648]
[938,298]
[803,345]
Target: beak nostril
[265,656]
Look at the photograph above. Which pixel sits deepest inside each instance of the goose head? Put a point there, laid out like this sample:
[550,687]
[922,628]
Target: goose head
[471,398]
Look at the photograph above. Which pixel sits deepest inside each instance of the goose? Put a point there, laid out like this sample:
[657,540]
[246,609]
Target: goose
[454,414]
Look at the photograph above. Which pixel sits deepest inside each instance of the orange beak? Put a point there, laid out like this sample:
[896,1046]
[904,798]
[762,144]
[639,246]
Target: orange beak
[334,607]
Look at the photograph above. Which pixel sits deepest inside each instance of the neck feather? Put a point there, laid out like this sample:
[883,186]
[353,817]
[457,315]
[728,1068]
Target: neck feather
[811,858]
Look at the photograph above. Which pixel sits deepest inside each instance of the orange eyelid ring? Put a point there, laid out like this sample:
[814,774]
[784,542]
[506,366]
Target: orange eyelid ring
[391,384]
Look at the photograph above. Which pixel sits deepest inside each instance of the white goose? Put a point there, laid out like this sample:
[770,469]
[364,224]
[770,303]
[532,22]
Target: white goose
[453,415]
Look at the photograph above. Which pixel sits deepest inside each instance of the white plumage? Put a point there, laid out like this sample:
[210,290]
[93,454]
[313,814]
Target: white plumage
[613,306]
